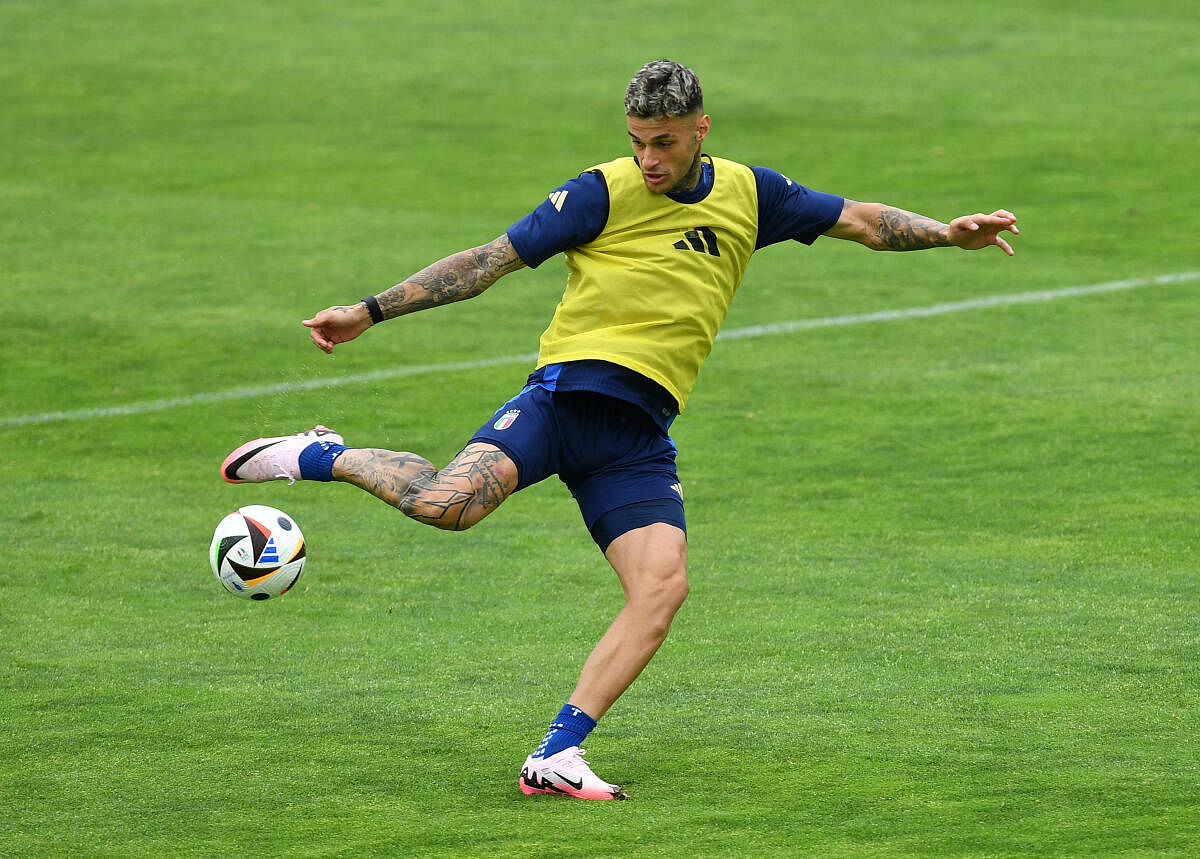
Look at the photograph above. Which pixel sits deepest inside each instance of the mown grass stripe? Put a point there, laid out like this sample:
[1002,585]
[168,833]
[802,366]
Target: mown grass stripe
[750,331]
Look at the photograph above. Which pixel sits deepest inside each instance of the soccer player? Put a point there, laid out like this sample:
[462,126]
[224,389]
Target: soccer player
[655,245]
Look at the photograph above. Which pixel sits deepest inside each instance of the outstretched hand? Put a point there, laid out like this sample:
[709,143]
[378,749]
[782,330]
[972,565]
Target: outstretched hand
[972,232]
[337,325]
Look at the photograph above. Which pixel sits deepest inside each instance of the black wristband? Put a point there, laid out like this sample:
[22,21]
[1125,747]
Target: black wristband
[373,309]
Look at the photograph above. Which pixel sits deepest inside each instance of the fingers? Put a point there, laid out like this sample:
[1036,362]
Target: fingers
[1004,220]
[320,340]
[987,229]
[1000,219]
[320,319]
[317,335]
[322,328]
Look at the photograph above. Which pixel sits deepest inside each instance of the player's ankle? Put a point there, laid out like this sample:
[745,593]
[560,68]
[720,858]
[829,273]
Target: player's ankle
[316,460]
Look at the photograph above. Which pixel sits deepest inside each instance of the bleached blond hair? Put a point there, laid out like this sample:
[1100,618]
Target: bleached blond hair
[663,88]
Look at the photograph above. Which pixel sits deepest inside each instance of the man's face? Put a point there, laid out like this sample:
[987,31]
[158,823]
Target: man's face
[668,150]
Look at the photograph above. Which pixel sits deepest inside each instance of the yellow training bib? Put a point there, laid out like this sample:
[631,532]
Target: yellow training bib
[651,291]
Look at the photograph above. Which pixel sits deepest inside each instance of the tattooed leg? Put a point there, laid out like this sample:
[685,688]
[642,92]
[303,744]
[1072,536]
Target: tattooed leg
[470,487]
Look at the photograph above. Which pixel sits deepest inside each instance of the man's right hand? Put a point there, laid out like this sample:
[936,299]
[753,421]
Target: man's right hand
[336,325]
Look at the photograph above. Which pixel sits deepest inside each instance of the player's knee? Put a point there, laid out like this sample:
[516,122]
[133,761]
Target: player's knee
[676,589]
[470,487]
[449,513]
[663,598]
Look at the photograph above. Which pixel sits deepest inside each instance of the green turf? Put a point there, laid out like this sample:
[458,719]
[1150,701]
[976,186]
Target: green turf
[944,569]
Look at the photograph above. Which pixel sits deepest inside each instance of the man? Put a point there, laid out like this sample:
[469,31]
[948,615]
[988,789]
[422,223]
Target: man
[656,245]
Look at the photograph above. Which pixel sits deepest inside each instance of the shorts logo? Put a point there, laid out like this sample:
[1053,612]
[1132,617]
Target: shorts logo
[678,487]
[507,419]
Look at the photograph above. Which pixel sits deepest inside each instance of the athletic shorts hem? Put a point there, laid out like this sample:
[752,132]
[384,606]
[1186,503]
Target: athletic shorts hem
[639,514]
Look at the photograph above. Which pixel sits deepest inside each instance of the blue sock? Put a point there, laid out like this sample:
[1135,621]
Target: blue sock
[316,460]
[568,729]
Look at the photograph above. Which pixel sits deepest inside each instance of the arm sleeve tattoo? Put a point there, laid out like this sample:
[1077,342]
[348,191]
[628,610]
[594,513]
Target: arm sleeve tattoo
[898,230]
[459,276]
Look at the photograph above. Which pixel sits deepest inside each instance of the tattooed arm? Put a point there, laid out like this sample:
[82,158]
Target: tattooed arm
[462,275]
[885,228]
[459,276]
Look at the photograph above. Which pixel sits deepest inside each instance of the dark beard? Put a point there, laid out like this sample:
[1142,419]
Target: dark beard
[691,179]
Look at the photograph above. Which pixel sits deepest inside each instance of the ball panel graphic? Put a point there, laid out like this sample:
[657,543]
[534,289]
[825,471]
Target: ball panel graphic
[257,552]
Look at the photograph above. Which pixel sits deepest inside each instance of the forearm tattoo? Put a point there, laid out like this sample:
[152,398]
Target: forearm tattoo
[457,277]
[898,230]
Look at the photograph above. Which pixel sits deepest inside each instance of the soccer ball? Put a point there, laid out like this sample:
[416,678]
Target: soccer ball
[257,552]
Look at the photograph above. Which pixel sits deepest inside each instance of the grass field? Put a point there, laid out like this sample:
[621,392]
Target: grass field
[944,568]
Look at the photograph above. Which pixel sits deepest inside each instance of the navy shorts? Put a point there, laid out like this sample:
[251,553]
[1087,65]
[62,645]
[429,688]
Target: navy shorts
[617,462]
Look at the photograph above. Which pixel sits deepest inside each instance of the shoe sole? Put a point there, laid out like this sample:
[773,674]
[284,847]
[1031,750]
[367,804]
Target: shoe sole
[529,790]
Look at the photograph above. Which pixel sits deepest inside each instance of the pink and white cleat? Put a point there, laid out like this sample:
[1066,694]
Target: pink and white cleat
[566,774]
[276,458]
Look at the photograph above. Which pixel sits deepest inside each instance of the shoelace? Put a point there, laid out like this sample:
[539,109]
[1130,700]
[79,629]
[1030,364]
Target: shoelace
[280,471]
[576,760]
[579,767]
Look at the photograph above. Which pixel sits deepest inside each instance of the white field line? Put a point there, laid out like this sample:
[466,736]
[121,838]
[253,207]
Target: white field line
[954,306]
[787,327]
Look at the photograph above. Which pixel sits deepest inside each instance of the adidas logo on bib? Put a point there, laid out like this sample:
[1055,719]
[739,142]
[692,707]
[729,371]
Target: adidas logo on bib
[701,239]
